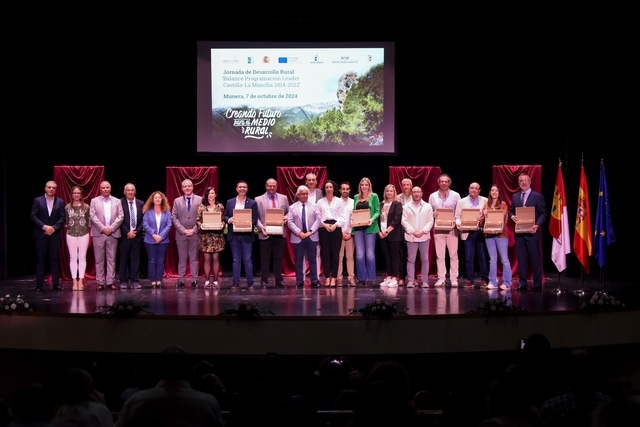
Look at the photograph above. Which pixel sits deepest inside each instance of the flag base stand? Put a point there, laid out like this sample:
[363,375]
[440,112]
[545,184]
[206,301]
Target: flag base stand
[581,292]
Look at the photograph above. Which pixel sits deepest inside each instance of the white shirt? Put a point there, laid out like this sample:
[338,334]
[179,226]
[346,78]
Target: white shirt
[334,211]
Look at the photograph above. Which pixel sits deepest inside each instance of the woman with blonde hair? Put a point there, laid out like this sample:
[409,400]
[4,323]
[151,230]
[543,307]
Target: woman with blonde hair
[390,234]
[78,226]
[365,236]
[156,221]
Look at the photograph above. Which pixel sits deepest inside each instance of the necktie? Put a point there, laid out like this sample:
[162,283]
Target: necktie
[304,220]
[188,204]
[273,202]
[522,198]
[132,215]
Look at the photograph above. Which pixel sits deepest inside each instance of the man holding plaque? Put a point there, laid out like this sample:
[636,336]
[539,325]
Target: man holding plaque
[273,208]
[445,239]
[529,244]
[469,220]
[184,215]
[241,215]
[304,222]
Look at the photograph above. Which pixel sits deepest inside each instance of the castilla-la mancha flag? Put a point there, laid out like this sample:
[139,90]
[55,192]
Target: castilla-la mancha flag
[559,225]
[582,234]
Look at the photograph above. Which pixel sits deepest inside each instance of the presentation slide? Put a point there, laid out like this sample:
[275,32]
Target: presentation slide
[295,99]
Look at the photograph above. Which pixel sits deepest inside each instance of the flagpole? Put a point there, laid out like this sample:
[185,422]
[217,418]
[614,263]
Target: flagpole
[560,266]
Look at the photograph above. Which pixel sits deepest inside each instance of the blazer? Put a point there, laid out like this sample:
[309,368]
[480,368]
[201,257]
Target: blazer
[536,200]
[464,203]
[294,221]
[264,203]
[394,219]
[183,218]
[40,217]
[150,226]
[374,209]
[126,222]
[417,218]
[96,214]
[228,213]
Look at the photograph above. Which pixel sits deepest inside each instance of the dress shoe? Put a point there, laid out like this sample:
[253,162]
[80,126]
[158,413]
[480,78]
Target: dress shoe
[179,285]
[99,287]
[123,285]
[75,285]
[483,284]
[194,284]
[469,284]
[401,282]
[352,281]
[135,285]
[521,288]
[315,284]
[280,285]
[57,288]
[299,285]
[235,285]
[112,287]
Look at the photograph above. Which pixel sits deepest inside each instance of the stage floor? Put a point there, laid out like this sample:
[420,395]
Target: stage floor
[308,301]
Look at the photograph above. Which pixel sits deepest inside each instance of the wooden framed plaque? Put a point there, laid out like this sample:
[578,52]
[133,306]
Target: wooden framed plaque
[360,217]
[444,220]
[494,221]
[469,219]
[242,222]
[273,221]
[212,221]
[526,219]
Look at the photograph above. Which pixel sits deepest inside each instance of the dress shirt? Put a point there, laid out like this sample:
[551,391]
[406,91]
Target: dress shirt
[333,211]
[524,196]
[106,203]
[347,209]
[450,201]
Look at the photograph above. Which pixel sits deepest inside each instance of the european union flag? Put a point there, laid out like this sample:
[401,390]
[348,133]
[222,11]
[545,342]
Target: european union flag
[604,235]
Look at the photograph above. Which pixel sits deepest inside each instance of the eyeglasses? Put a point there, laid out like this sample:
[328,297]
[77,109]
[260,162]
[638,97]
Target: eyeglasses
[523,180]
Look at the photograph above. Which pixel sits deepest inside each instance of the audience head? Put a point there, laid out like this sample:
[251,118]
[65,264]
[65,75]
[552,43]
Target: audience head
[174,364]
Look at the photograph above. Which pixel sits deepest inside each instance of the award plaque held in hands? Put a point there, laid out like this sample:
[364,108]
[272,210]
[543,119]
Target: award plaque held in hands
[494,221]
[242,222]
[469,219]
[274,221]
[444,220]
[212,221]
[360,217]
[526,219]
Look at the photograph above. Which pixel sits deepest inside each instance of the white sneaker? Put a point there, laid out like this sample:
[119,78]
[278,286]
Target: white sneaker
[439,283]
[505,287]
[491,286]
[207,284]
[454,284]
[385,282]
[393,283]
[410,285]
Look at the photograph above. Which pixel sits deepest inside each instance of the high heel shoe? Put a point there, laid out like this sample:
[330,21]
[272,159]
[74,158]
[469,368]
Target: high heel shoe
[80,285]
[75,284]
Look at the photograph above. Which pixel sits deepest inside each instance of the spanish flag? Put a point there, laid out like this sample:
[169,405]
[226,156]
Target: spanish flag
[559,225]
[582,234]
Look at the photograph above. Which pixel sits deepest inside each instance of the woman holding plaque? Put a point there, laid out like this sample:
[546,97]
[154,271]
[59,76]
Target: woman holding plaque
[391,234]
[498,242]
[331,212]
[211,241]
[156,222]
[364,235]
[78,226]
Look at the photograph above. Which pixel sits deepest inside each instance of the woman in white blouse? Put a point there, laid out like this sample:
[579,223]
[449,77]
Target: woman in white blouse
[331,213]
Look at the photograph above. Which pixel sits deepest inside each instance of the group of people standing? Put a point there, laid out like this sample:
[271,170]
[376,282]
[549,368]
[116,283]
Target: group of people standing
[319,224]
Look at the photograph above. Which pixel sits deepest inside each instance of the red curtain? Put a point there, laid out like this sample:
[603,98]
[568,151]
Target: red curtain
[89,178]
[506,178]
[425,177]
[289,179]
[202,177]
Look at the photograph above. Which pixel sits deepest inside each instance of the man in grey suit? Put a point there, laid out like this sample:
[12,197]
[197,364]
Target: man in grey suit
[304,223]
[271,244]
[106,215]
[315,194]
[131,244]
[183,215]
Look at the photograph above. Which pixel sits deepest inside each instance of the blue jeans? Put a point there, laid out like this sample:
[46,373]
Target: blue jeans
[241,252]
[156,255]
[495,246]
[365,255]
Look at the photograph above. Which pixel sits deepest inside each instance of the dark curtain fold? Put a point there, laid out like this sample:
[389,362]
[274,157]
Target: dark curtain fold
[425,177]
[506,178]
[202,177]
[289,179]
[89,178]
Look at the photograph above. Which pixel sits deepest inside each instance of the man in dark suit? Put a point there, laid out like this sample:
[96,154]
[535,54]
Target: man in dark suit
[528,244]
[131,244]
[303,222]
[183,215]
[241,242]
[271,244]
[48,216]
[105,213]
